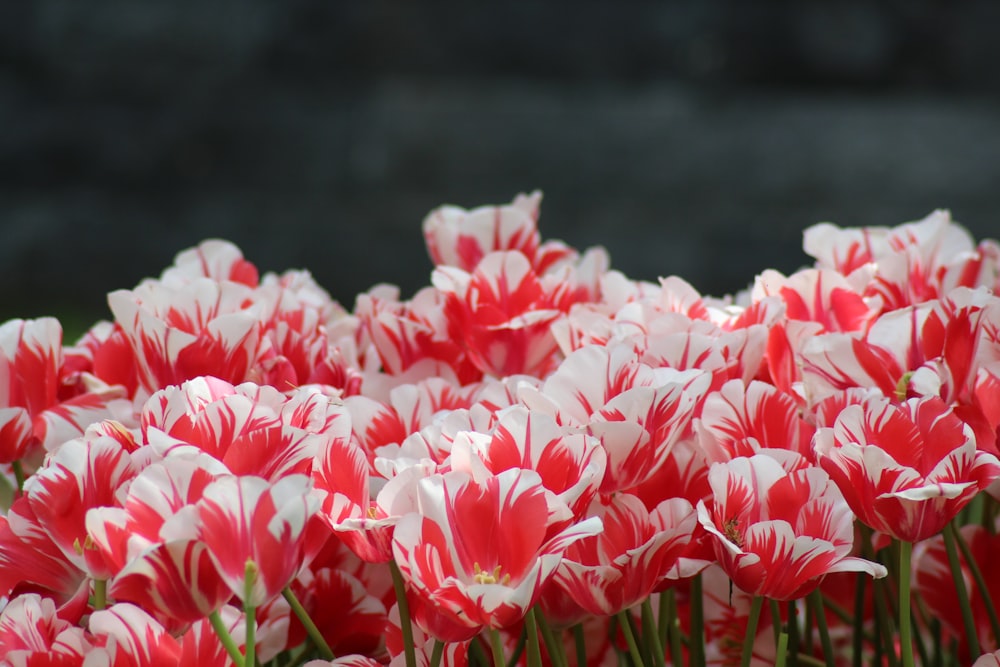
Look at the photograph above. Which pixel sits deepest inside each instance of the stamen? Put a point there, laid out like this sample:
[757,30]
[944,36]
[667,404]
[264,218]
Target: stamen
[481,576]
[731,530]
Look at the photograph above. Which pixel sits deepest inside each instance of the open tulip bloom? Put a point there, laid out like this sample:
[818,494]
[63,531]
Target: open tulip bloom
[533,460]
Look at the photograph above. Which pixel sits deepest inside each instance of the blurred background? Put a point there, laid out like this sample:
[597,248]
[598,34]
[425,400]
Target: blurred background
[696,138]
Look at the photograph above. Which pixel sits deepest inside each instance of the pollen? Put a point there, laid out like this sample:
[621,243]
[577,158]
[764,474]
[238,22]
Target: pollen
[372,514]
[88,543]
[481,576]
[731,529]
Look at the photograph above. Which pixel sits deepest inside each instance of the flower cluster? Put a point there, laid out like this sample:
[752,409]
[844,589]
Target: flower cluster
[535,459]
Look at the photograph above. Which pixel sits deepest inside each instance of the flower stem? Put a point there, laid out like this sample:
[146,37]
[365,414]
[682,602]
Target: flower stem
[581,645]
[633,647]
[751,632]
[18,476]
[651,634]
[226,639]
[857,639]
[534,650]
[404,617]
[100,594]
[883,636]
[515,656]
[477,654]
[557,655]
[977,574]
[905,626]
[963,594]
[792,628]
[696,646]
[779,658]
[437,653]
[496,643]
[816,600]
[775,619]
[250,612]
[673,626]
[314,634]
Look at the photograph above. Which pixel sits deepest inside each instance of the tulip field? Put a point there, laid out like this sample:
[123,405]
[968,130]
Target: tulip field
[534,460]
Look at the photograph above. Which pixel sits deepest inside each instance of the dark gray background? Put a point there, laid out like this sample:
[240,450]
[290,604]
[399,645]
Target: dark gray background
[689,138]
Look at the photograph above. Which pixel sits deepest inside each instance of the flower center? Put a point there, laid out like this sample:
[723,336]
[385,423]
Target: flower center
[481,576]
[903,386]
[731,530]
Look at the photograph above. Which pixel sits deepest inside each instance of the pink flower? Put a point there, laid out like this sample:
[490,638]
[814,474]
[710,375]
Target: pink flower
[739,420]
[82,474]
[172,579]
[636,410]
[126,636]
[178,332]
[622,565]
[571,464]
[460,238]
[481,552]
[905,470]
[817,295]
[31,632]
[253,430]
[31,561]
[502,313]
[256,532]
[412,337]
[44,400]
[933,582]
[779,531]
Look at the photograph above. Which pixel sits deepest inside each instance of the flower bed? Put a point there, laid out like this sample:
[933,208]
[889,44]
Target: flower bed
[533,460]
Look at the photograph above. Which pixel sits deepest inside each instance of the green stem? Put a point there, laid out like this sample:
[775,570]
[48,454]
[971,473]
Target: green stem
[857,639]
[477,654]
[663,618]
[696,645]
[884,632]
[581,645]
[816,600]
[963,594]
[775,619]
[809,660]
[673,627]
[751,632]
[404,616]
[100,594]
[905,626]
[436,653]
[314,634]
[557,656]
[531,628]
[649,631]
[977,575]
[792,628]
[633,647]
[515,657]
[226,639]
[888,625]
[779,658]
[647,659]
[250,611]
[497,645]
[18,476]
